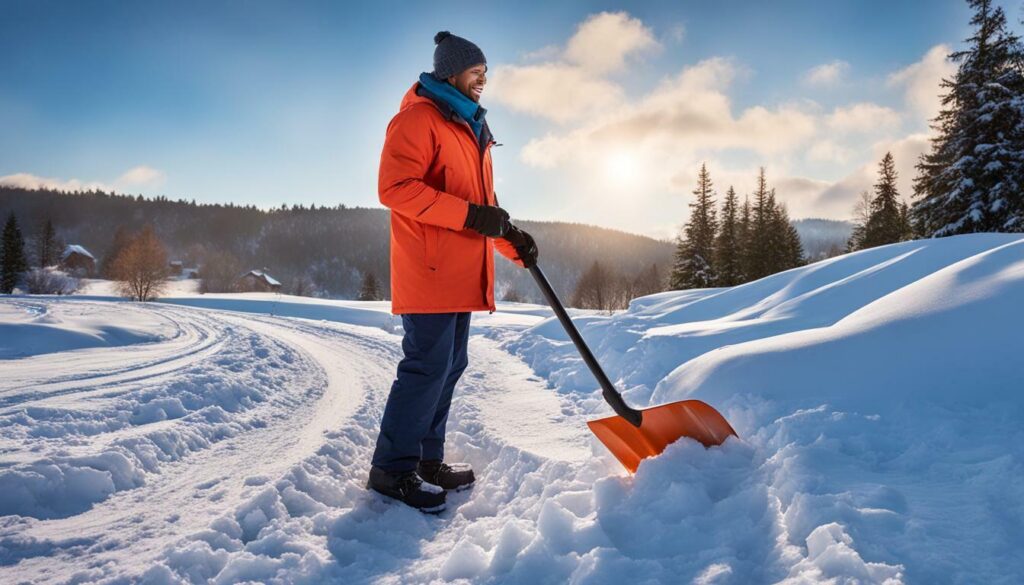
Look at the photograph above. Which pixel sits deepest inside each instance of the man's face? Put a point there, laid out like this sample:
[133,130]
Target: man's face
[471,82]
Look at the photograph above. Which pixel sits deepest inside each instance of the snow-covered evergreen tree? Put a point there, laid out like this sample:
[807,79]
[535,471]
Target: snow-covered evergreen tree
[13,263]
[728,243]
[972,180]
[695,251]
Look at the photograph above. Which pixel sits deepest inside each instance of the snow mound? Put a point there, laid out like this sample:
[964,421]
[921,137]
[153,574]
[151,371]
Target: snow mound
[878,393]
[33,325]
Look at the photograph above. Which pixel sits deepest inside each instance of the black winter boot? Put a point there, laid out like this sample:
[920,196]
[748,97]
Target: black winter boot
[456,477]
[408,488]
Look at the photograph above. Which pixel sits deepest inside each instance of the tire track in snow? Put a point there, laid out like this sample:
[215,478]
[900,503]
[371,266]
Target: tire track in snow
[33,378]
[206,482]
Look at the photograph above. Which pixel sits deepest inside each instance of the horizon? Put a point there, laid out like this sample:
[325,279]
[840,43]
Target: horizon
[606,111]
[283,207]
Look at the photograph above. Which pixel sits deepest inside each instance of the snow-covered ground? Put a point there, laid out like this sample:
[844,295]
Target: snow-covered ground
[879,399]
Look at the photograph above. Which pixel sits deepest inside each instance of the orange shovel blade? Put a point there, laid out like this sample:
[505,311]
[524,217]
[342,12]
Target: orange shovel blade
[661,426]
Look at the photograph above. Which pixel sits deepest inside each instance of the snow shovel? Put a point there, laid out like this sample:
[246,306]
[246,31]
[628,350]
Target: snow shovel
[634,435]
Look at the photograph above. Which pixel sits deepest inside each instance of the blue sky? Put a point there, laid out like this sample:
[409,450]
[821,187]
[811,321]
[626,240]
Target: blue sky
[605,110]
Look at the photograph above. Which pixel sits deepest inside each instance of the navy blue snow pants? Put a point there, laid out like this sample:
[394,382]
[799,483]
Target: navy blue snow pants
[417,410]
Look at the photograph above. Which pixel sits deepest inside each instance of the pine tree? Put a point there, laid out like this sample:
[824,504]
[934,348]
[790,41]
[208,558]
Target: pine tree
[46,245]
[694,262]
[370,291]
[972,179]
[791,250]
[744,240]
[885,225]
[759,243]
[13,262]
[728,242]
[906,225]
[775,251]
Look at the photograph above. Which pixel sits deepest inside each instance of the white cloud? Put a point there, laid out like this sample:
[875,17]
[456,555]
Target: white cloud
[571,84]
[141,176]
[556,91]
[632,158]
[684,115]
[826,74]
[604,41]
[828,151]
[30,181]
[921,81]
[863,118]
[546,53]
[134,178]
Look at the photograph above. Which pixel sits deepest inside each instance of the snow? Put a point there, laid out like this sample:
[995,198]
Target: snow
[876,395]
[261,274]
[31,327]
[75,249]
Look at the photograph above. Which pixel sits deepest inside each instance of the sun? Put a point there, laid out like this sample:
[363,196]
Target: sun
[622,166]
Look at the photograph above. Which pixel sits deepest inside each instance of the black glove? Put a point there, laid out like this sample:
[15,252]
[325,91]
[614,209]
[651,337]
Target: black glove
[524,245]
[490,221]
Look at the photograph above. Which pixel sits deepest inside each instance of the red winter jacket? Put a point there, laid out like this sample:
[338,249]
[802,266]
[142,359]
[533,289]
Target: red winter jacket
[430,169]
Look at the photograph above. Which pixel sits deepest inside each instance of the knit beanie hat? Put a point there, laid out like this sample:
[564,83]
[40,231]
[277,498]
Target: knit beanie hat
[453,55]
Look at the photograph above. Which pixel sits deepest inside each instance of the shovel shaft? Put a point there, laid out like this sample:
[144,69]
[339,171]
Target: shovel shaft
[608,391]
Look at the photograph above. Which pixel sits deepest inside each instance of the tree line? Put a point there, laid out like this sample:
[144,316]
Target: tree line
[737,244]
[727,247]
[313,250]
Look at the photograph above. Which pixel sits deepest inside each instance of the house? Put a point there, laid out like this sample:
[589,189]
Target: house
[77,260]
[258,281]
[175,267]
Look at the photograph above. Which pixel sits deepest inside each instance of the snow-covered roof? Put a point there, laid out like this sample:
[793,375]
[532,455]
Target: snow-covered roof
[261,274]
[75,249]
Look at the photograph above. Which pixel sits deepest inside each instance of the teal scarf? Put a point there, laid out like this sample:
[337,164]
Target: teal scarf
[470,111]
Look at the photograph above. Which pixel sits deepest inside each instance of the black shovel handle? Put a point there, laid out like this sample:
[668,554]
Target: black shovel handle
[610,394]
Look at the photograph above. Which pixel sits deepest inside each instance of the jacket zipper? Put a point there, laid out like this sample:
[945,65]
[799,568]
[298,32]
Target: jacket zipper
[483,183]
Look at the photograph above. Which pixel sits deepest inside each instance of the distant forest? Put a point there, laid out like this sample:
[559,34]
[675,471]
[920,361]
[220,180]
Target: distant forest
[332,247]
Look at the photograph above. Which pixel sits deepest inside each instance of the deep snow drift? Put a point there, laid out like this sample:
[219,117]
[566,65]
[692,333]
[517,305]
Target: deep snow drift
[878,398]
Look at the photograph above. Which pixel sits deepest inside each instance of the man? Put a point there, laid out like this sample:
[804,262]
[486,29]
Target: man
[436,177]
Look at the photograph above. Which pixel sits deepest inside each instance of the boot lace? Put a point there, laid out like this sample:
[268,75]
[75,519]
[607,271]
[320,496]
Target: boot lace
[408,482]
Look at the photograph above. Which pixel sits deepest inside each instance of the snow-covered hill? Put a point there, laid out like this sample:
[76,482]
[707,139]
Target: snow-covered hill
[879,398]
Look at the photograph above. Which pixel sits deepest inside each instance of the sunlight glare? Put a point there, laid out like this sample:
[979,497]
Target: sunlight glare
[622,167]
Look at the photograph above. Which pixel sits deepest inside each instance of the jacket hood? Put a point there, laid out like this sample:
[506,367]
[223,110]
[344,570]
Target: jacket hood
[411,98]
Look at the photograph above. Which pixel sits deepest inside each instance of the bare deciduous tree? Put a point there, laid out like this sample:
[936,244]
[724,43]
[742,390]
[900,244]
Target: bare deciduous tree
[595,289]
[141,267]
